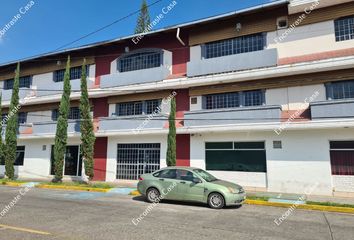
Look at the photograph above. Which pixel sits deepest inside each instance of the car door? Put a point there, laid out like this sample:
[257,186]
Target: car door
[167,181]
[187,188]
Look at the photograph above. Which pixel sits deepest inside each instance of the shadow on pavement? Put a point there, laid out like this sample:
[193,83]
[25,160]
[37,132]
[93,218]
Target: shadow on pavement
[194,204]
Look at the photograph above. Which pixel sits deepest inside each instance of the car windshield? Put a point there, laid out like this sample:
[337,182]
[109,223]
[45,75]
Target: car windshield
[205,175]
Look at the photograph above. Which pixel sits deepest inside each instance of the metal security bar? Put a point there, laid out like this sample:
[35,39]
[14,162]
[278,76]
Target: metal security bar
[134,160]
[244,44]
[140,61]
[344,28]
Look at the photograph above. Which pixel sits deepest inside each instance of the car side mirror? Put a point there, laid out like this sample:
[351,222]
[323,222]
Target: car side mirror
[197,180]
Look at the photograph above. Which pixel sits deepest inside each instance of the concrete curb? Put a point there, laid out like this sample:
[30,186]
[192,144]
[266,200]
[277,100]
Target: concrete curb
[74,188]
[135,193]
[302,206]
[13,184]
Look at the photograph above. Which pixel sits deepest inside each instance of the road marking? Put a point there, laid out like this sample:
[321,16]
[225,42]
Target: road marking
[24,230]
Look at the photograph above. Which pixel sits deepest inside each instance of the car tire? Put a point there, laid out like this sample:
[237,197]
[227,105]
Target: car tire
[152,195]
[216,201]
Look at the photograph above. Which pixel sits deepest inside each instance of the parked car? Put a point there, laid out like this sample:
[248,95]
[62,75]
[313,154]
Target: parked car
[190,184]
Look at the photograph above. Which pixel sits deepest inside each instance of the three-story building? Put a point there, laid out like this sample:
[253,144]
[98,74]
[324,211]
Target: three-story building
[265,97]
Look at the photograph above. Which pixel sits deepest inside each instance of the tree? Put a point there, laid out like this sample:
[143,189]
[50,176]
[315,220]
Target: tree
[143,22]
[12,127]
[171,138]
[2,154]
[61,134]
[86,127]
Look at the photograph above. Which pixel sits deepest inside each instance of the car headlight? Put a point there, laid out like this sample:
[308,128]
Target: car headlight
[234,190]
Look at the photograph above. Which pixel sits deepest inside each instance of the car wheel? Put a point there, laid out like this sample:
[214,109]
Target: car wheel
[216,201]
[152,195]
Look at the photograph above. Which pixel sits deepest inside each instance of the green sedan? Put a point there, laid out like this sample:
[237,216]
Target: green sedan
[190,184]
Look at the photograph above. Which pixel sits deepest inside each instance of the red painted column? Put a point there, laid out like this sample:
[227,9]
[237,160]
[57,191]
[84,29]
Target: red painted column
[182,140]
[183,150]
[100,109]
[100,158]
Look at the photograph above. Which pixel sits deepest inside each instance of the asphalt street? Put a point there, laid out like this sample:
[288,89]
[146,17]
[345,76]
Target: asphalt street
[48,214]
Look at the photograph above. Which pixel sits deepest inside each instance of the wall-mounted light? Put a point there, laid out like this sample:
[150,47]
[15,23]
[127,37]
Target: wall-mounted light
[238,27]
[126,49]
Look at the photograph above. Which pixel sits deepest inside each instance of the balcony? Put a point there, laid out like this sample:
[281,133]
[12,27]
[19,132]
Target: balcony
[54,88]
[23,92]
[229,116]
[117,79]
[132,123]
[49,128]
[332,109]
[238,62]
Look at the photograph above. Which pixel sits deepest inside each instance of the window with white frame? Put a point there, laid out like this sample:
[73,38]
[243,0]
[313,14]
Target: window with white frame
[138,107]
[344,28]
[234,99]
[75,73]
[340,90]
[25,82]
[243,44]
[139,60]
[74,114]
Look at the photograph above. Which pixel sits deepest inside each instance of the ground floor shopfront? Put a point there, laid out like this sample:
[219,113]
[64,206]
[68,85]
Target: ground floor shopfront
[320,161]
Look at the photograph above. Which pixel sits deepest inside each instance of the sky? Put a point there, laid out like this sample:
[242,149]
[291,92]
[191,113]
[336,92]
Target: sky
[45,25]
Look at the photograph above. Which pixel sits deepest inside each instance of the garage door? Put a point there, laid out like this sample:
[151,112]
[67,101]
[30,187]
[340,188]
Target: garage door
[134,160]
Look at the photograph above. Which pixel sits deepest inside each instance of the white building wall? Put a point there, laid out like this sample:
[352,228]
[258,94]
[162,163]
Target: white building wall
[307,39]
[112,150]
[293,98]
[36,163]
[303,161]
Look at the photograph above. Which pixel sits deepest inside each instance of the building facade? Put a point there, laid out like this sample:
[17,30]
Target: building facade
[265,98]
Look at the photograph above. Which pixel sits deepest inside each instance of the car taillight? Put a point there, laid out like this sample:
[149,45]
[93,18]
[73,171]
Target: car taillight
[141,179]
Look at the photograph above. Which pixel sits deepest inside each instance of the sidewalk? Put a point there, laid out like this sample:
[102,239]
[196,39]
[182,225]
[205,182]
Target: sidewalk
[297,197]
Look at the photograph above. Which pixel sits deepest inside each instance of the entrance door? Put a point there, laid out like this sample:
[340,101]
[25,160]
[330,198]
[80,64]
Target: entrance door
[134,160]
[72,161]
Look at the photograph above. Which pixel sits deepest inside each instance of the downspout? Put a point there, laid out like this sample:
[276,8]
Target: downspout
[179,38]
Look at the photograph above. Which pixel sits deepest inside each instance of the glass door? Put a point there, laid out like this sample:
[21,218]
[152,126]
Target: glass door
[72,161]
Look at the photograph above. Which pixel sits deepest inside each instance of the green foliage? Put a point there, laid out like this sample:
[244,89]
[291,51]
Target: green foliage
[171,138]
[61,135]
[143,19]
[2,154]
[86,127]
[11,128]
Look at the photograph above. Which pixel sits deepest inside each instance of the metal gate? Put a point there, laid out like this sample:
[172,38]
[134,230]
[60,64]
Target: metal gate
[134,160]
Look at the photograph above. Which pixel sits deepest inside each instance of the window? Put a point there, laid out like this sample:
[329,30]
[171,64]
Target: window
[20,156]
[340,90]
[74,114]
[168,173]
[235,99]
[244,44]
[22,117]
[344,28]
[138,108]
[138,61]
[152,106]
[25,82]
[342,157]
[75,73]
[130,108]
[236,156]
[185,175]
